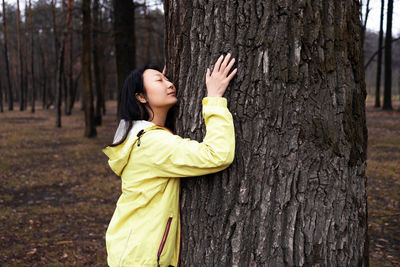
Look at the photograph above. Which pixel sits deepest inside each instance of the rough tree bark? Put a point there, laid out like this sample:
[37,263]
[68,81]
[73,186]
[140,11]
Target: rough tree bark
[10,92]
[387,91]
[124,38]
[295,194]
[90,129]
[379,64]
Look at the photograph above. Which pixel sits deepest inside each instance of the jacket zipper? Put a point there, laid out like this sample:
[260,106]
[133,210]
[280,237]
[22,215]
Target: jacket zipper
[126,245]
[180,236]
[163,240]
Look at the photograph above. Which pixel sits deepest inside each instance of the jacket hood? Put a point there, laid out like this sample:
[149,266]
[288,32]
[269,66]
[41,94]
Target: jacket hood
[119,155]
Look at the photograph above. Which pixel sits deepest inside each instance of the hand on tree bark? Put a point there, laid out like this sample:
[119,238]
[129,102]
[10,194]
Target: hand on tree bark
[164,71]
[218,81]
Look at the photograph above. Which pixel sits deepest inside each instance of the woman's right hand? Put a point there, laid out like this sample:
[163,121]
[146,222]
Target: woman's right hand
[218,81]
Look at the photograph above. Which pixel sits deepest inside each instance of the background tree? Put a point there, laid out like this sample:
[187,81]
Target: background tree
[33,89]
[98,55]
[387,96]
[90,129]
[296,192]
[10,92]
[364,20]
[124,38]
[21,61]
[379,64]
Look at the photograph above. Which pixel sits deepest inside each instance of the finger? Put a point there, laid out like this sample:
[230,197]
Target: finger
[164,71]
[223,65]
[228,68]
[207,74]
[217,64]
[231,75]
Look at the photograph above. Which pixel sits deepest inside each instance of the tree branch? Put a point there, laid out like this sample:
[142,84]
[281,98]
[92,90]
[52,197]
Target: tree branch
[376,52]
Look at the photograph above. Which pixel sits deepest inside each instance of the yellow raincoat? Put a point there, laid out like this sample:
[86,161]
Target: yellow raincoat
[145,227]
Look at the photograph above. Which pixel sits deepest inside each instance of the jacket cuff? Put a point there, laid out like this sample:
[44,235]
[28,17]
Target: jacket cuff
[215,101]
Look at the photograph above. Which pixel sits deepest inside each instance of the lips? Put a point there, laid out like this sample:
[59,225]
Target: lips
[172,93]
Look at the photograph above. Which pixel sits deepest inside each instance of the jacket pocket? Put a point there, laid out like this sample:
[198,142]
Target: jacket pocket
[163,240]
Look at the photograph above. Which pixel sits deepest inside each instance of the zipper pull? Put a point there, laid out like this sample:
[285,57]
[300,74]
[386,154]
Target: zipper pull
[141,132]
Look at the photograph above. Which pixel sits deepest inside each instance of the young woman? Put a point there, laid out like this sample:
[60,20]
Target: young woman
[145,227]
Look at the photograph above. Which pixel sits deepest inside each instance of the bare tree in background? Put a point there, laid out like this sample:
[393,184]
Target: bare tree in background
[379,64]
[364,20]
[10,91]
[98,61]
[21,62]
[71,85]
[387,93]
[90,129]
[33,90]
[124,38]
[296,193]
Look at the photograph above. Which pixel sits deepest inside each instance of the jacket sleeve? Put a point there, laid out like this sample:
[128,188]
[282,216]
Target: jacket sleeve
[173,156]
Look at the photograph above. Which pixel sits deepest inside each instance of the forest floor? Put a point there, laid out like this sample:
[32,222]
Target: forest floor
[57,194]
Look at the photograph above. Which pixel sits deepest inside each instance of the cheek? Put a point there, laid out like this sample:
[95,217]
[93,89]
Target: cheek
[156,96]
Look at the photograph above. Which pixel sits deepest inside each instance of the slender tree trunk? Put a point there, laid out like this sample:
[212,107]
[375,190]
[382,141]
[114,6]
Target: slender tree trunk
[295,194]
[364,22]
[124,31]
[90,129]
[65,89]
[147,34]
[379,64]
[102,64]
[43,74]
[21,62]
[70,48]
[57,70]
[32,58]
[387,94]
[98,54]
[10,91]
[24,35]
[1,94]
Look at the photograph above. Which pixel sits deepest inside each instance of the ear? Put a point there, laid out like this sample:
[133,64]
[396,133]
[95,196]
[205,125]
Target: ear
[141,98]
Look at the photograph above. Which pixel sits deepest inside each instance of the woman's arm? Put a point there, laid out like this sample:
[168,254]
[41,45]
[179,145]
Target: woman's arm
[170,155]
[173,156]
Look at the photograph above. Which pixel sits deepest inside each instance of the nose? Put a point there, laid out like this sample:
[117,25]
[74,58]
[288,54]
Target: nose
[170,84]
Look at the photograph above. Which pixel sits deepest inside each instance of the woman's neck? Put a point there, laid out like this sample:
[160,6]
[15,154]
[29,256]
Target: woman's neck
[160,116]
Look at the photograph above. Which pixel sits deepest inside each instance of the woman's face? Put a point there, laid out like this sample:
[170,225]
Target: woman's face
[160,92]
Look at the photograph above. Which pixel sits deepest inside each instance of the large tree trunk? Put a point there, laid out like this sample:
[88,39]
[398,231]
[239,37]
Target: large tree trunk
[379,64]
[387,93]
[124,38]
[90,129]
[10,92]
[296,193]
